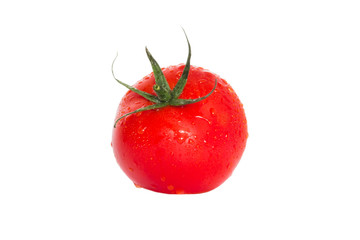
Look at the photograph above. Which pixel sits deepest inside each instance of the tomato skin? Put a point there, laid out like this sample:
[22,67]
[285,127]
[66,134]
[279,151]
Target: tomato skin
[187,149]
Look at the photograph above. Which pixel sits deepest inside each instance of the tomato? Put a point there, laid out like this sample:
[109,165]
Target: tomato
[192,148]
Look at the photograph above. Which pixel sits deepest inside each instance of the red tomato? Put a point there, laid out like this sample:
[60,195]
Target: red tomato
[181,149]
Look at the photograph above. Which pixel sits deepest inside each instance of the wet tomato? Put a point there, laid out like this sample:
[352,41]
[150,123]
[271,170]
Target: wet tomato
[188,143]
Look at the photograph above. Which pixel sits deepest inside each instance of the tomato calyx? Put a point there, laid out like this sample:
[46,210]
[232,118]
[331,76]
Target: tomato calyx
[164,95]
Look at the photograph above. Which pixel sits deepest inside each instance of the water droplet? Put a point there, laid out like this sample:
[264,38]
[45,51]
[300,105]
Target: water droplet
[181,136]
[180,140]
[179,191]
[178,75]
[207,120]
[141,130]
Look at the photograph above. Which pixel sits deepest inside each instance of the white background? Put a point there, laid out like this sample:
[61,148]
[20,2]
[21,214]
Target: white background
[294,65]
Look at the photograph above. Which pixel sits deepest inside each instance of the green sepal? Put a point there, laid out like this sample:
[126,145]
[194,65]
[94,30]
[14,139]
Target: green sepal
[179,87]
[146,95]
[181,102]
[150,107]
[163,90]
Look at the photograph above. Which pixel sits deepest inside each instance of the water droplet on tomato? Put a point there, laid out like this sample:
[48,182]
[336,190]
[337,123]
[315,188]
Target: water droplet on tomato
[207,120]
[180,140]
[179,191]
[178,75]
[181,136]
[141,130]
